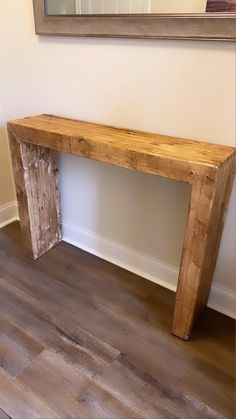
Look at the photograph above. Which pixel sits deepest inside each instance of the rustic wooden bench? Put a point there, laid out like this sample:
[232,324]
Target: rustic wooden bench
[209,168]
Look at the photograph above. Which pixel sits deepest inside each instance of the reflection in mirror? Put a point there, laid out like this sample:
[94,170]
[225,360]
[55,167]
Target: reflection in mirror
[84,7]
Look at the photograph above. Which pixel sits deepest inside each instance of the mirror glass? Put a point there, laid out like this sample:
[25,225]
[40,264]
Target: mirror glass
[85,7]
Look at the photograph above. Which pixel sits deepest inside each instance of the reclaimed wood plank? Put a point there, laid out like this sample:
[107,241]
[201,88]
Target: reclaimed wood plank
[36,179]
[207,211]
[174,158]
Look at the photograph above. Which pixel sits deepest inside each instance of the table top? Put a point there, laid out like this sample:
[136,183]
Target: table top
[120,146]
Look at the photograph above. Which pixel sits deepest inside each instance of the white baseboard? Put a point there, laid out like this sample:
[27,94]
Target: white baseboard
[221,299]
[8,213]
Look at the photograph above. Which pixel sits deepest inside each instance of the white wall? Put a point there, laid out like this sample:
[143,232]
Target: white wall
[179,88]
[8,208]
[6,181]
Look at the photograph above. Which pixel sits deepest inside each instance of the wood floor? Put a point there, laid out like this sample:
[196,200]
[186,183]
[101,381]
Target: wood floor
[82,338]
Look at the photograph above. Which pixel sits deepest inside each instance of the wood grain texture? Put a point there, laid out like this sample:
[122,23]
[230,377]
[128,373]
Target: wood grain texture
[107,353]
[36,179]
[17,349]
[207,211]
[3,415]
[169,157]
[19,401]
[210,168]
[73,392]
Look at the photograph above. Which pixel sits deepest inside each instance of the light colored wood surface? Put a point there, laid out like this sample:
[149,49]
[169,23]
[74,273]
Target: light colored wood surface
[210,168]
[169,157]
[36,179]
[207,210]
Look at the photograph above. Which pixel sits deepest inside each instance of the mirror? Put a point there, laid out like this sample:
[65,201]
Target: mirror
[164,19]
[85,7]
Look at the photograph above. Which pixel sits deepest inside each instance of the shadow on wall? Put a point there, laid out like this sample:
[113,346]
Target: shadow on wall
[140,211]
[7,190]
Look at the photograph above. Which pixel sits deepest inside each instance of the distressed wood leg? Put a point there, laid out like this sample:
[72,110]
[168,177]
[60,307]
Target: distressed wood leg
[36,179]
[207,210]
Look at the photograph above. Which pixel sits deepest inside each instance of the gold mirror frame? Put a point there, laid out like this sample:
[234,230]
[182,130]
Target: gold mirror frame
[208,26]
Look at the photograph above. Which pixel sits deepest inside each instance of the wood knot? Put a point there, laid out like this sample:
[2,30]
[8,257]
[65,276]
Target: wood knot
[81,399]
[210,179]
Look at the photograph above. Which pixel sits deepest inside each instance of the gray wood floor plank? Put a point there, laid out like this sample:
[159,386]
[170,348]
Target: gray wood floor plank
[3,415]
[17,349]
[69,391]
[137,390]
[106,334]
[18,401]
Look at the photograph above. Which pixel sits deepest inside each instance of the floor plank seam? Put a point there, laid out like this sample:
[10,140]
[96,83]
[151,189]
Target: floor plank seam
[96,344]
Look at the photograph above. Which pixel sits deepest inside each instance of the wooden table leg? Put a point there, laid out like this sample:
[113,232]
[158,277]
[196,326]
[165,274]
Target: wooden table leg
[36,179]
[207,210]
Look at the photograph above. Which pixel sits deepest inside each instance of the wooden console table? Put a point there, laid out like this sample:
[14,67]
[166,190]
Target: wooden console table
[209,168]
